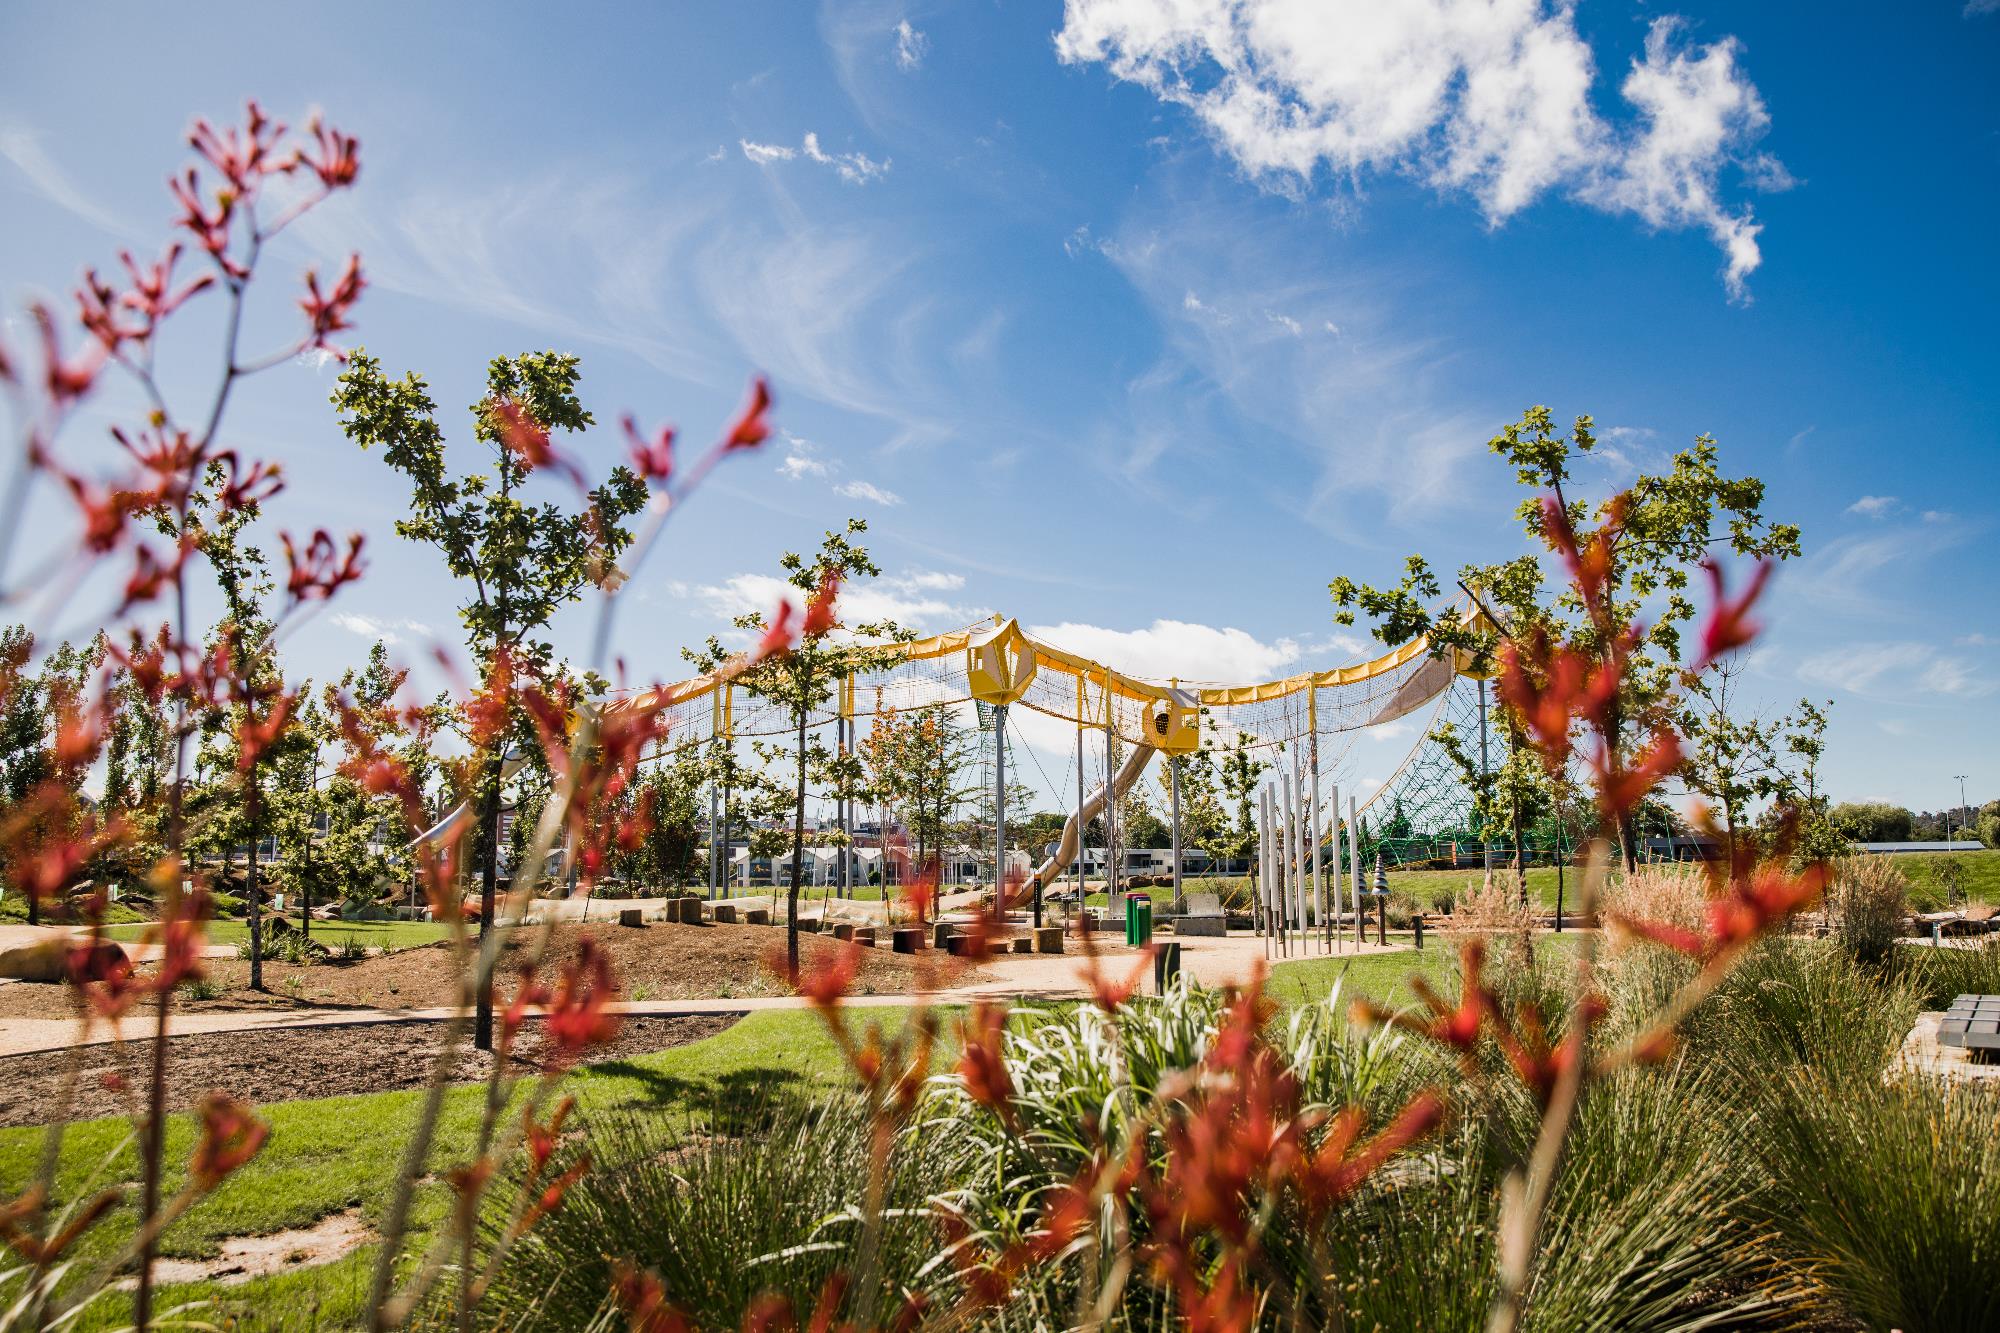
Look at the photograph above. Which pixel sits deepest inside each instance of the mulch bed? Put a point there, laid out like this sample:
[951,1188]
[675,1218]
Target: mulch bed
[662,961]
[290,1063]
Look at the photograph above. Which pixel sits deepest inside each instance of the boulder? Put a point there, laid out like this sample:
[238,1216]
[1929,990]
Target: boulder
[757,916]
[725,914]
[909,939]
[1048,939]
[631,916]
[47,961]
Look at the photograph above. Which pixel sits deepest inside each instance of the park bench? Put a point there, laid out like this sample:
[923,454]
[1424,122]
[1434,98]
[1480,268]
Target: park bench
[1972,1022]
[1204,916]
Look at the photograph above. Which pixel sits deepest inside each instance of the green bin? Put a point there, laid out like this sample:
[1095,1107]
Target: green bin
[1138,919]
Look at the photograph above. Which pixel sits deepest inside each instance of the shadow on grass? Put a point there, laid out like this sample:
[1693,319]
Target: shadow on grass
[725,1095]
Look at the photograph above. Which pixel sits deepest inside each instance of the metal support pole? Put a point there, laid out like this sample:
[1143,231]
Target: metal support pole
[1264,860]
[1354,859]
[1081,828]
[1485,776]
[1286,850]
[1299,855]
[1110,805]
[1174,788]
[999,807]
[1312,819]
[1333,880]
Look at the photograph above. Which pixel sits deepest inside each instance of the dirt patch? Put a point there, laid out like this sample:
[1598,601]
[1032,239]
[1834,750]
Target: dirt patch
[241,1258]
[284,1064]
[662,961]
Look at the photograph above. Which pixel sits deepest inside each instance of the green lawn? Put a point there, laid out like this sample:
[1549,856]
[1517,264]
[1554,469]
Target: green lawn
[1981,870]
[343,1152]
[388,935]
[1383,977]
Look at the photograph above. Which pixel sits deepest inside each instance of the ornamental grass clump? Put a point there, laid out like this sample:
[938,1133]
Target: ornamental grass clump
[1889,1190]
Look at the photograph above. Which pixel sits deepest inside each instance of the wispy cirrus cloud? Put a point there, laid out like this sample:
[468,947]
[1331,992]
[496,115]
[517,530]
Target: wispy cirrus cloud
[1906,670]
[22,148]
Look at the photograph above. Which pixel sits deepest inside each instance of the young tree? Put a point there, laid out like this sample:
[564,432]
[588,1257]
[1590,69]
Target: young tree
[1203,821]
[670,794]
[915,762]
[1241,769]
[521,561]
[36,708]
[238,734]
[1651,538]
[803,680]
[1736,760]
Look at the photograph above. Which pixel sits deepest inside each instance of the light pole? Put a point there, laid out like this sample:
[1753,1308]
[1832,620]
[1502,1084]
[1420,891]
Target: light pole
[1960,812]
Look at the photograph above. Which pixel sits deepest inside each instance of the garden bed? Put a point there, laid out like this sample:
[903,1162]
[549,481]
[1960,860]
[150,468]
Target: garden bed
[662,961]
[285,1064]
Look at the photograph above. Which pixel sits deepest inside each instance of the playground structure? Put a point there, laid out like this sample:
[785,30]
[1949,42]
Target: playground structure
[1303,726]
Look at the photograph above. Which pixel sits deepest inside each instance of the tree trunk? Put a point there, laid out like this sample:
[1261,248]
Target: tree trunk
[489,883]
[250,893]
[798,857]
[1520,861]
[306,857]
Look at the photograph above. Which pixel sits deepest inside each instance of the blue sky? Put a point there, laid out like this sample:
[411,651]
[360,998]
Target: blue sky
[1137,328]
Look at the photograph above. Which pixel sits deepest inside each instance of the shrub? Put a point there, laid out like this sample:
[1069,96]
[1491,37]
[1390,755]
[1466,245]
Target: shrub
[1892,1190]
[1494,907]
[200,988]
[743,1200]
[1936,976]
[1675,894]
[1865,904]
[1803,1002]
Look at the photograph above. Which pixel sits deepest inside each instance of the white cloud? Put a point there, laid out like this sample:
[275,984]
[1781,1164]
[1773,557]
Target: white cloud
[862,490]
[1494,100]
[854,168]
[911,46]
[1902,669]
[1873,506]
[1286,322]
[801,459]
[1974,8]
[763,153]
[911,600]
[1177,648]
[375,627]
[1954,676]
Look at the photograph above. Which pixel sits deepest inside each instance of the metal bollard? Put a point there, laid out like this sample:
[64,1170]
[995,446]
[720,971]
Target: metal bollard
[1418,922]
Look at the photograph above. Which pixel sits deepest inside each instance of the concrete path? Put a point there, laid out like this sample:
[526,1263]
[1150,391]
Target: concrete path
[1213,961]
